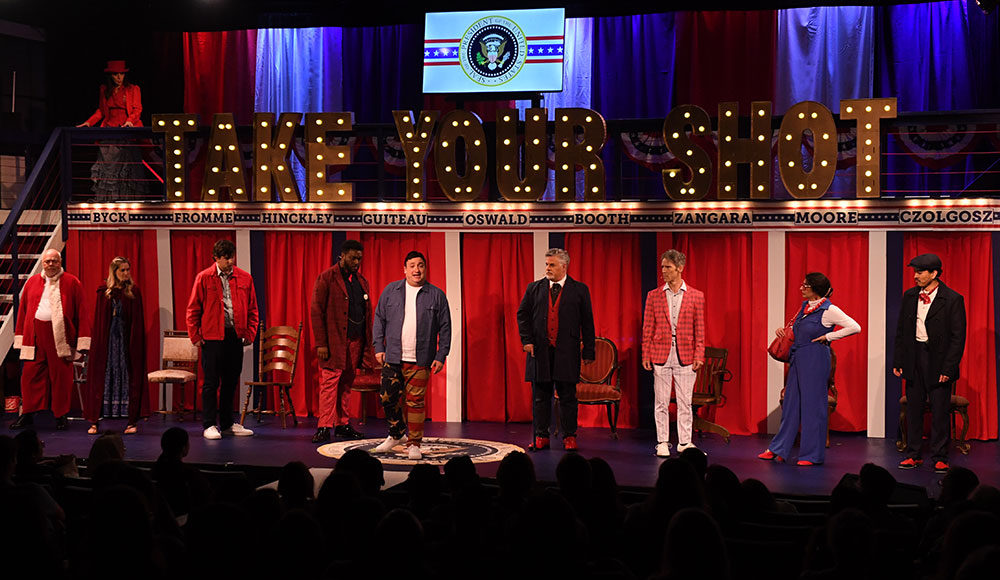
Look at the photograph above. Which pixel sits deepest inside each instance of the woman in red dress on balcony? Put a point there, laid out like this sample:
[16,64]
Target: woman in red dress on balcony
[117,174]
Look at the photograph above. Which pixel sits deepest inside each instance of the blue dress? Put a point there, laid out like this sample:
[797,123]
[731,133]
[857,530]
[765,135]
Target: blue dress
[806,389]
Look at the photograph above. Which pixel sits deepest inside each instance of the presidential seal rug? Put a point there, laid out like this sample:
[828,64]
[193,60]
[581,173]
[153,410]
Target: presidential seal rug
[436,450]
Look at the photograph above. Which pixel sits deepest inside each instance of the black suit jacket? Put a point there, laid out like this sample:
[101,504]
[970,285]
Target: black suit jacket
[945,324]
[576,323]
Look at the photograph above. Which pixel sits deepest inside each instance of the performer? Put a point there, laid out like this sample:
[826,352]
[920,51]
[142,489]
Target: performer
[222,319]
[116,369]
[412,337]
[554,315]
[118,170]
[809,373]
[51,327]
[342,320]
[673,347]
[930,341]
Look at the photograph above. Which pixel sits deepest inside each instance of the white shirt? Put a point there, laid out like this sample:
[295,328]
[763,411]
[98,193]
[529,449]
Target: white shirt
[44,311]
[834,316]
[674,300]
[561,282]
[922,314]
[409,338]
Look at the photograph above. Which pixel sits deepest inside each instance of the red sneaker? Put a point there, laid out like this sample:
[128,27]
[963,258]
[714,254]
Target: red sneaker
[910,463]
[539,444]
[769,455]
[569,443]
[941,467]
[804,463]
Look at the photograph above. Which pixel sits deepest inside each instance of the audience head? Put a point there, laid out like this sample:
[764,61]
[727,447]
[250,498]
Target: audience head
[366,468]
[604,476]
[175,443]
[876,484]
[694,548]
[678,487]
[756,498]
[460,473]
[295,484]
[516,475]
[966,534]
[574,475]
[108,447]
[957,485]
[29,448]
[697,459]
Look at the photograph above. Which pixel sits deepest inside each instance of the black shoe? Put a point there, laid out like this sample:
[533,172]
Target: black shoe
[322,435]
[61,423]
[348,432]
[23,421]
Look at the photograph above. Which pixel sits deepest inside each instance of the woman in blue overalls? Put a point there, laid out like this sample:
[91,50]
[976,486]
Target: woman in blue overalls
[809,373]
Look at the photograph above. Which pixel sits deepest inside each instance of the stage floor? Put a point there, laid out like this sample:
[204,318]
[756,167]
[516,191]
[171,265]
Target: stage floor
[631,456]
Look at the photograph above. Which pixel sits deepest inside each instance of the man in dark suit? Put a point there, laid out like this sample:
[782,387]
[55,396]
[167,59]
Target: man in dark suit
[930,340]
[554,316]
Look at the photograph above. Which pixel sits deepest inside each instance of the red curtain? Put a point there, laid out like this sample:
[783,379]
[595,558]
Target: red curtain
[88,254]
[730,268]
[607,264]
[726,56]
[843,257]
[289,297]
[500,268]
[219,73]
[383,263]
[968,269]
[190,253]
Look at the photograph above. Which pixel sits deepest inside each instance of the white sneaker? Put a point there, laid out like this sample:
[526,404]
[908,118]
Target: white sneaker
[682,446]
[389,444]
[414,454]
[212,433]
[663,450]
[237,430]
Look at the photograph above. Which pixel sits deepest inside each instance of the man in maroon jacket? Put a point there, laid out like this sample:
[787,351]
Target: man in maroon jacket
[342,326]
[222,318]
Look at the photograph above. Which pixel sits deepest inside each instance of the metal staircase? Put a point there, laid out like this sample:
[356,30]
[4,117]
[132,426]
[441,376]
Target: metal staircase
[36,223]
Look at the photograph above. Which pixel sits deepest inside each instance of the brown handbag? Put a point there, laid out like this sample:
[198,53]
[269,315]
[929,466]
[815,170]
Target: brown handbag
[780,348]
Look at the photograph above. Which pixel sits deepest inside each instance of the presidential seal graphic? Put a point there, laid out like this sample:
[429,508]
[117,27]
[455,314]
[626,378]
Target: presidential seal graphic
[436,450]
[492,51]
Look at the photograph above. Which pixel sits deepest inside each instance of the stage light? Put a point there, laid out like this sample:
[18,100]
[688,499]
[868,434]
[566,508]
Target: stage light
[445,143]
[406,119]
[454,123]
[687,114]
[319,192]
[319,121]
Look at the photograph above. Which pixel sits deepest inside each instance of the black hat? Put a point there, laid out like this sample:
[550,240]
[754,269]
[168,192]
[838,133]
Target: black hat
[926,262]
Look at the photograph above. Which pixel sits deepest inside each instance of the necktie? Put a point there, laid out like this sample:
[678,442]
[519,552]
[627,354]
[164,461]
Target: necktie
[924,297]
[554,292]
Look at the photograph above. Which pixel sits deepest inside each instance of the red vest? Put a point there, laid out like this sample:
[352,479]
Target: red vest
[553,318]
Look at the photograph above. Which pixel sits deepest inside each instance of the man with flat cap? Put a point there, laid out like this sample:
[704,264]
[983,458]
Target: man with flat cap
[930,340]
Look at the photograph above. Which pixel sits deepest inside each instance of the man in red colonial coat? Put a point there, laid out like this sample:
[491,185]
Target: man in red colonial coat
[51,327]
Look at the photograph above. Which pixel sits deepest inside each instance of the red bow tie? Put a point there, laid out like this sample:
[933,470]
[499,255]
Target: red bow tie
[924,297]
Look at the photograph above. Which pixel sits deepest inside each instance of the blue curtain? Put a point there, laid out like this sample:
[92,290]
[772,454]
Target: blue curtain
[382,71]
[299,70]
[634,66]
[936,56]
[634,60]
[825,54]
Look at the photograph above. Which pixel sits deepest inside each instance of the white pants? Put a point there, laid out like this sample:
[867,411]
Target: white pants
[664,378]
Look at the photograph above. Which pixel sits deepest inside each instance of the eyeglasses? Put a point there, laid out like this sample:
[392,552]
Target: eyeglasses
[804,285]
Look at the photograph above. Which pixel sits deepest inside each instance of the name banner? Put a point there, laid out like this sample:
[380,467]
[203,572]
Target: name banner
[910,214]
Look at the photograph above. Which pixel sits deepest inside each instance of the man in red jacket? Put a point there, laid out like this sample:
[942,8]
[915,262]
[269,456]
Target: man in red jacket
[341,314]
[222,319]
[673,347]
[51,327]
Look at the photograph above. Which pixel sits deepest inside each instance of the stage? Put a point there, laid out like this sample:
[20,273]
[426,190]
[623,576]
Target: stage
[631,456]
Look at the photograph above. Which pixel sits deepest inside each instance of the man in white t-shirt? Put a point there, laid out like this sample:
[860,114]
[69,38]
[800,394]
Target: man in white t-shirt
[412,336]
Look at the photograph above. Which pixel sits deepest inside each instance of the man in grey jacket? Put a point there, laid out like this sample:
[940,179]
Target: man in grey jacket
[412,336]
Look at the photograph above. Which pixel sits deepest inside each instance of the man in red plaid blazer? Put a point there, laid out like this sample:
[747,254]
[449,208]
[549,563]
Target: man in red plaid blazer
[673,347]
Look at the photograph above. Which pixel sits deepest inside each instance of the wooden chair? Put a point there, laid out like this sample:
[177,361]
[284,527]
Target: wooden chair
[708,390]
[279,355]
[178,368]
[831,393]
[364,383]
[959,408]
[600,382]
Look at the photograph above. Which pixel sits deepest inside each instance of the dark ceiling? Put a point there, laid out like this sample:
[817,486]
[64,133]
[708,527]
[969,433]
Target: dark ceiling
[192,15]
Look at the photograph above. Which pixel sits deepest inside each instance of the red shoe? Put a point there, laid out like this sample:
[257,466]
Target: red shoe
[804,463]
[910,463]
[769,455]
[941,467]
[539,444]
[569,443]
